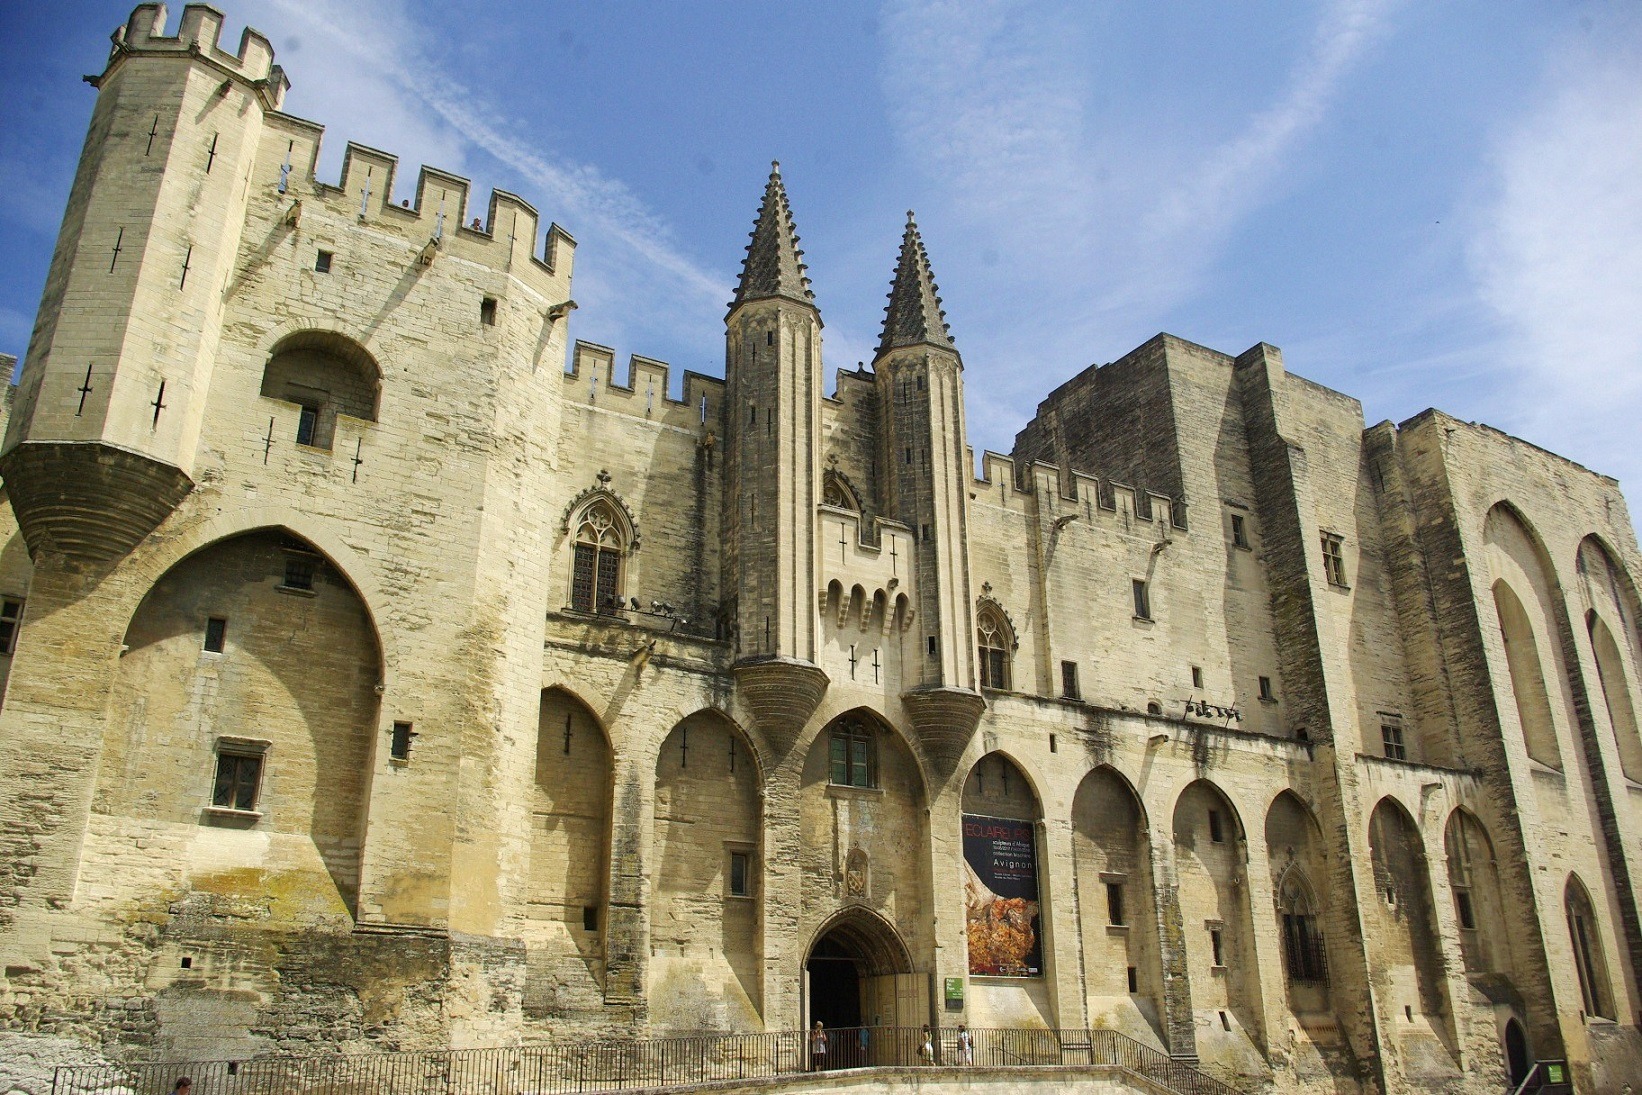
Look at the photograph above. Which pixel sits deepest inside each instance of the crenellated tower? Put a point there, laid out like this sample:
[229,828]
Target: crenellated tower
[773,378]
[110,404]
[921,431]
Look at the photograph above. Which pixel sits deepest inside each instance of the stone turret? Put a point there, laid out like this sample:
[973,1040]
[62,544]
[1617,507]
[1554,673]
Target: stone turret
[921,407]
[772,413]
[112,397]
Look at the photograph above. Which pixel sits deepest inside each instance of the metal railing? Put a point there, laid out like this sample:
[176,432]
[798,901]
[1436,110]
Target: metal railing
[616,1063]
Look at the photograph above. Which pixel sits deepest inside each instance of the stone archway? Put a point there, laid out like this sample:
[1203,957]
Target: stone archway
[858,973]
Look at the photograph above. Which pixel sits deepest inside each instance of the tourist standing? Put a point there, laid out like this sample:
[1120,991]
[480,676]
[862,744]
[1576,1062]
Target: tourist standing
[818,1048]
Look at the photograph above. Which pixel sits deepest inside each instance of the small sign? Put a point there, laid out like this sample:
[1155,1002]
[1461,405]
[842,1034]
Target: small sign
[1553,1072]
[954,990]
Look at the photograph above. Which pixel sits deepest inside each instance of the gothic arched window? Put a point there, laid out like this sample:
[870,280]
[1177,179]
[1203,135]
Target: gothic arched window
[600,547]
[1303,952]
[854,754]
[995,639]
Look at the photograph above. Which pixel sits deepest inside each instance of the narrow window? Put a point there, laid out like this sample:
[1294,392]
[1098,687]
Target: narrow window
[1225,1020]
[487,311]
[769,338]
[1216,945]
[1143,601]
[590,918]
[1069,681]
[1468,915]
[1240,532]
[740,874]
[934,649]
[1391,739]
[322,262]
[216,632]
[402,735]
[239,778]
[11,618]
[1334,559]
[1197,676]
[1114,904]
[307,424]
[1265,689]
[1052,744]
[299,573]
[920,382]
[1216,833]
[1134,979]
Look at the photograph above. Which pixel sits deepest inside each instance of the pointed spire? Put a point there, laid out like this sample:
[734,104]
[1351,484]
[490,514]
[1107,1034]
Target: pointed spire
[914,316]
[774,265]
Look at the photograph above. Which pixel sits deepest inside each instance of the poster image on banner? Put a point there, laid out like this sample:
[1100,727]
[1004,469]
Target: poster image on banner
[1001,897]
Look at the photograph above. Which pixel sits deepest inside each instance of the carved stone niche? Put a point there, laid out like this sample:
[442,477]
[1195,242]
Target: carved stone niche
[857,875]
[782,694]
[944,720]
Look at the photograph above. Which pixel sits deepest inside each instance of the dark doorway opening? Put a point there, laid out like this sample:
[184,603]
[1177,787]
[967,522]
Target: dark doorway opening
[835,985]
[1516,1052]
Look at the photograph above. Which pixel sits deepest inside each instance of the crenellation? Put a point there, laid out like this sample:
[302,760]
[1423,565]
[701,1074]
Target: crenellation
[404,673]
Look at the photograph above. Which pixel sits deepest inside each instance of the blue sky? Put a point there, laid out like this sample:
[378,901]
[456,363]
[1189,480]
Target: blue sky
[1422,204]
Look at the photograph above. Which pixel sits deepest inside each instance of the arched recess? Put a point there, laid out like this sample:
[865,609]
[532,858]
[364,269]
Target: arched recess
[1525,597]
[1302,892]
[569,858]
[1611,622]
[1590,964]
[859,972]
[1210,866]
[1003,921]
[247,699]
[1402,919]
[864,827]
[1112,861]
[1479,909]
[326,375]
[705,923]
[1528,686]
[1616,695]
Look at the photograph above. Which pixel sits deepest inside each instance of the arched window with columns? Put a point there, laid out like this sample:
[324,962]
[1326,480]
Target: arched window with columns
[995,643]
[599,552]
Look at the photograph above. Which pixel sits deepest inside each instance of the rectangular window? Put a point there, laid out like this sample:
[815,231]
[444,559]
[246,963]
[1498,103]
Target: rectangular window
[307,425]
[299,573]
[590,918]
[851,757]
[11,618]
[1134,979]
[1334,559]
[1069,681]
[1391,738]
[609,572]
[1217,946]
[1114,904]
[239,774]
[322,262]
[1197,676]
[994,668]
[1240,532]
[487,311]
[216,634]
[934,647]
[1265,689]
[1216,833]
[741,875]
[399,749]
[1303,948]
[582,585]
[1468,915]
[1143,601]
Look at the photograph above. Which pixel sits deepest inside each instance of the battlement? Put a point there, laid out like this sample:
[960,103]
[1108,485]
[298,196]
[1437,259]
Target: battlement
[1096,493]
[435,218]
[198,34]
[591,380]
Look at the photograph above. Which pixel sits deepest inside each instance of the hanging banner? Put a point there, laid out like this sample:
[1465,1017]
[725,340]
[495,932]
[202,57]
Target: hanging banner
[1001,897]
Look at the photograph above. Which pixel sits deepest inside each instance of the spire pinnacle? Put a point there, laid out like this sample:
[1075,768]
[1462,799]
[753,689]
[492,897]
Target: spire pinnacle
[914,316]
[774,265]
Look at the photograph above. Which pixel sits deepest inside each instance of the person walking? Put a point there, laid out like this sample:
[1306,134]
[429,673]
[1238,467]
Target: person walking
[966,1046]
[818,1048]
[926,1052]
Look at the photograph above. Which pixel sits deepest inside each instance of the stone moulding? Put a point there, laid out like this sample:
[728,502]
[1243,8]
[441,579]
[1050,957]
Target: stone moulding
[944,720]
[782,693]
[89,500]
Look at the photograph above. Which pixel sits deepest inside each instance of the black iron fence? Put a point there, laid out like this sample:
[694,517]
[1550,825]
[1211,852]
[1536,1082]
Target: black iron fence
[615,1063]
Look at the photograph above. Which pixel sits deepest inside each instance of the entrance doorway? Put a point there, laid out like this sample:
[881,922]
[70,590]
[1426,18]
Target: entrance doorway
[858,974]
[1516,1052]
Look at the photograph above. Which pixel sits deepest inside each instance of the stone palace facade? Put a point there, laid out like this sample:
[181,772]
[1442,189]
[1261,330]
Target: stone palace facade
[374,681]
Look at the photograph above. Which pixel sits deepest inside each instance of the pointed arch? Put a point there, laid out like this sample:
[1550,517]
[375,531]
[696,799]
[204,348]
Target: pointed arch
[1473,879]
[601,534]
[1585,936]
[1403,916]
[1527,601]
[838,491]
[1614,684]
[1300,880]
[1215,908]
[998,786]
[1527,676]
[1117,905]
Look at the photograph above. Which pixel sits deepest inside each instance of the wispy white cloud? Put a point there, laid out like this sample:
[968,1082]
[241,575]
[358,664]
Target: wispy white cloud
[383,86]
[1558,253]
[1100,224]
